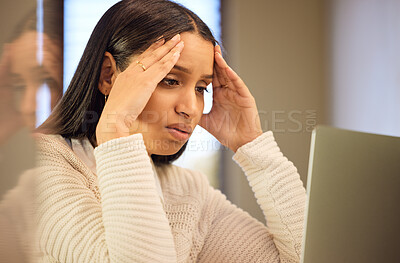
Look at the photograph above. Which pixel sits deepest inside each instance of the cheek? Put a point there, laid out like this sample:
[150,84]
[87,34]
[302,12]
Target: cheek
[200,107]
[28,102]
[198,118]
[157,107]
[158,101]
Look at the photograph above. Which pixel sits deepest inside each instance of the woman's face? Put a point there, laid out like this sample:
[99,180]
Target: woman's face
[177,103]
[27,75]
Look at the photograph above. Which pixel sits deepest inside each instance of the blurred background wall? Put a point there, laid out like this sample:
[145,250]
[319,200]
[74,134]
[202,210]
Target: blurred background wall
[334,62]
[12,13]
[364,61]
[278,48]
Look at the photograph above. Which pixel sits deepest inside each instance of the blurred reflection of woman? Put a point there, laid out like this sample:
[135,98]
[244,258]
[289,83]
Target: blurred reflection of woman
[22,72]
[29,60]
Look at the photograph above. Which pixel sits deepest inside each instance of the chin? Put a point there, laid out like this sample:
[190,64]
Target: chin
[166,152]
[166,147]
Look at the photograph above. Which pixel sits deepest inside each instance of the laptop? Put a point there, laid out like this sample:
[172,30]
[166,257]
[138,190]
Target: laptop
[353,191]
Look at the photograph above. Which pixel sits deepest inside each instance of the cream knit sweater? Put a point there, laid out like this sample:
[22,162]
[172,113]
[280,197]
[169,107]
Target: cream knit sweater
[117,215]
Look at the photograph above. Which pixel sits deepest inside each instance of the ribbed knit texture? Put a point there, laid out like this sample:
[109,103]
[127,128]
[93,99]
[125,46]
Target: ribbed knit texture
[279,192]
[17,226]
[117,215]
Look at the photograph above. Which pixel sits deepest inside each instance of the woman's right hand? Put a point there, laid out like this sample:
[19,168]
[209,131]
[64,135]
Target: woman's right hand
[133,88]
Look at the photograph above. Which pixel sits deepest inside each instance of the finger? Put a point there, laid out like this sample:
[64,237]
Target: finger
[222,78]
[238,83]
[218,49]
[215,82]
[147,52]
[205,121]
[154,46]
[220,61]
[221,74]
[233,81]
[153,56]
[219,83]
[138,59]
[160,69]
[220,66]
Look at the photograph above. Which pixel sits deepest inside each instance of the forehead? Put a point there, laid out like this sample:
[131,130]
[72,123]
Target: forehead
[24,51]
[197,54]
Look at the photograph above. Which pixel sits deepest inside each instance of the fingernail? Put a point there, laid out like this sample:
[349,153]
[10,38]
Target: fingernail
[177,54]
[176,37]
[160,40]
[180,44]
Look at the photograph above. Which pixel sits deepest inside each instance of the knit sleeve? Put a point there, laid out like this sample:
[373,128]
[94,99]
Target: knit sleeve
[236,236]
[127,225]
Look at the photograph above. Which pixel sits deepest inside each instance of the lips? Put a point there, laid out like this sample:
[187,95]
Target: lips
[181,127]
[180,131]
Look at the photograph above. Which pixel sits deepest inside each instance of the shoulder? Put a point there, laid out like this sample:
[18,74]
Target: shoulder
[54,151]
[50,141]
[52,146]
[60,168]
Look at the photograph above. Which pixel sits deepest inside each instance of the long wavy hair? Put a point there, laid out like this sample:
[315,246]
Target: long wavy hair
[126,29]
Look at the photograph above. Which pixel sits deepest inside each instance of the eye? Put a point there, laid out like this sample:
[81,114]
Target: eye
[19,86]
[170,82]
[202,89]
[52,83]
[17,82]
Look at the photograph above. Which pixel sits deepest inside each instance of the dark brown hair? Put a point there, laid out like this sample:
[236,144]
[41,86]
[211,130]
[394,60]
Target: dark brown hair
[52,21]
[126,29]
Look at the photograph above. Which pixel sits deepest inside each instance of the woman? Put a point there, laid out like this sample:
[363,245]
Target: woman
[107,190]
[22,73]
[23,70]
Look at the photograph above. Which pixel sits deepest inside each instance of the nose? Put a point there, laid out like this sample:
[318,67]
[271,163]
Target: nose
[28,105]
[189,104]
[28,102]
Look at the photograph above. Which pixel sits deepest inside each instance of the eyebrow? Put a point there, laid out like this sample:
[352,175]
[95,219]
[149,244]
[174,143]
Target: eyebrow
[39,69]
[188,71]
[15,77]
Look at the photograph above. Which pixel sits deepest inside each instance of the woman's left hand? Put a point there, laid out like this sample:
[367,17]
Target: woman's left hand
[234,118]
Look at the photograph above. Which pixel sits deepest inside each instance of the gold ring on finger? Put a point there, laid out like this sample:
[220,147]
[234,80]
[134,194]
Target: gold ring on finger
[141,64]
